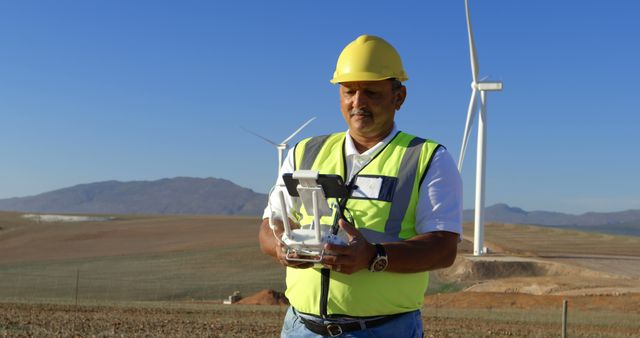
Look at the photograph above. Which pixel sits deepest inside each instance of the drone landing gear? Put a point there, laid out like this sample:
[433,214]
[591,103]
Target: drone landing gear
[307,245]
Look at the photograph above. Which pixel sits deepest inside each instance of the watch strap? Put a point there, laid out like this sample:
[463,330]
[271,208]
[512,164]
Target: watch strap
[380,250]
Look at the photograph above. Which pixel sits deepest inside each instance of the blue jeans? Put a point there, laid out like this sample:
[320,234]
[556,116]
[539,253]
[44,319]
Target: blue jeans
[408,325]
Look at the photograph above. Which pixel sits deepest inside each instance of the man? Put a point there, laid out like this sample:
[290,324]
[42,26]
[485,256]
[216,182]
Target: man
[404,210]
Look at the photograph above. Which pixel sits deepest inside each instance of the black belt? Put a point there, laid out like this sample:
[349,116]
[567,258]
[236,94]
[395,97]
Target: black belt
[336,329]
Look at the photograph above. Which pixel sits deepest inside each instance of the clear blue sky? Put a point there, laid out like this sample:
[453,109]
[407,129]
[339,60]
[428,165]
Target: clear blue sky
[142,90]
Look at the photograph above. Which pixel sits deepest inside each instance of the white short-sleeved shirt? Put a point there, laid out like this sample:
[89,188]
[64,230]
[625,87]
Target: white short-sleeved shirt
[439,202]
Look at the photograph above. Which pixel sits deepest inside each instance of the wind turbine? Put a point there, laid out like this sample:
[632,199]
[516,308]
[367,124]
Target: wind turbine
[482,87]
[282,146]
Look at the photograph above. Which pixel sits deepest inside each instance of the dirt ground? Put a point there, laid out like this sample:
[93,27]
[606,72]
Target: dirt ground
[32,320]
[459,314]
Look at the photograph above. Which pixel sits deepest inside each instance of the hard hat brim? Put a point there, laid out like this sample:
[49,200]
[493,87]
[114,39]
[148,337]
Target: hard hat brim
[365,76]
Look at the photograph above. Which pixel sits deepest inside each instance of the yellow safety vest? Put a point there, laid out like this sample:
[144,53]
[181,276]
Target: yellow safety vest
[390,217]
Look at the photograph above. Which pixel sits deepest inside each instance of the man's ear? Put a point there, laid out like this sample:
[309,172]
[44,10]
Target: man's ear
[399,96]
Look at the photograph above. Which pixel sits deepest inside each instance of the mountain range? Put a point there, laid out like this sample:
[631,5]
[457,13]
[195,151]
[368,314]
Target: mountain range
[618,223]
[214,196]
[180,195]
[504,213]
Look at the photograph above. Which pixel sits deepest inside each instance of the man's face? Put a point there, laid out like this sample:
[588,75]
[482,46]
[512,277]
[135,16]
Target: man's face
[369,107]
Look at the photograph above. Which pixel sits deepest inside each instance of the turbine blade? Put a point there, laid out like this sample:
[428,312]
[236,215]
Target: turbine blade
[297,131]
[475,67]
[260,136]
[471,113]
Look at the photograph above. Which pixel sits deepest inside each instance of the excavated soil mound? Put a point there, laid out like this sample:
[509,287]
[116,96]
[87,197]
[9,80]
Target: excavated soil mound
[501,273]
[497,267]
[265,297]
[465,270]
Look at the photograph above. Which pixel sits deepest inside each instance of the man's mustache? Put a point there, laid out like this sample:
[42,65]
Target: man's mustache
[360,111]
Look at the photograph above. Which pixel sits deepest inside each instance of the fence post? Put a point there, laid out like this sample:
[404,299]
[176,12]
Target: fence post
[564,318]
[77,282]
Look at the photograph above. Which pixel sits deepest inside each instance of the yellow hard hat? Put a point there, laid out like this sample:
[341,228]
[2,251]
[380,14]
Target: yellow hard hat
[368,58]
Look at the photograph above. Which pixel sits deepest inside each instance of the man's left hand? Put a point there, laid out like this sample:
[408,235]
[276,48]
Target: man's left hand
[354,256]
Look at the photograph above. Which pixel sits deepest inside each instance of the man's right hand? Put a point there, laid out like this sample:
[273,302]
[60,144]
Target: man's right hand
[282,258]
[273,246]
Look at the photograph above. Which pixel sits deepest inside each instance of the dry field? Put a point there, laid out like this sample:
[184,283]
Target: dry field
[166,276]
[601,252]
[133,258]
[445,315]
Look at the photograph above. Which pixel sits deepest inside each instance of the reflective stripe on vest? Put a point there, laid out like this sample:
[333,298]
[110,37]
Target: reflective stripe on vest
[387,216]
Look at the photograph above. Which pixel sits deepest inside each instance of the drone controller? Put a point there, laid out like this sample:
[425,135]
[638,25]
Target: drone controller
[307,244]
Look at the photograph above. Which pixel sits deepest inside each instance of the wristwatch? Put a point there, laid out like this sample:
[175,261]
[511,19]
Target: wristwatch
[380,261]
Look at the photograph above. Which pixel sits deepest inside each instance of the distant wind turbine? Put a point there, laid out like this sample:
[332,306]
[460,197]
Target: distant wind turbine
[282,146]
[482,87]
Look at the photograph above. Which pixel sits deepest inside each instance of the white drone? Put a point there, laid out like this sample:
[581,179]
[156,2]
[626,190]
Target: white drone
[307,243]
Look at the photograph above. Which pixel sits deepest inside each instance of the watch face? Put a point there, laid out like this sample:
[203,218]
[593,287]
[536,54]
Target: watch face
[379,264]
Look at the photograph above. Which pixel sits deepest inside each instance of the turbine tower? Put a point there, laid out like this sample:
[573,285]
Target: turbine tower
[482,87]
[282,146]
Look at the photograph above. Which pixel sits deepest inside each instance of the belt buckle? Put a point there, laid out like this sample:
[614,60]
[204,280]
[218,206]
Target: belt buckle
[334,330]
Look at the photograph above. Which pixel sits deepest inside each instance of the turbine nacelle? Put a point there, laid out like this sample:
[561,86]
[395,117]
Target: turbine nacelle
[487,86]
